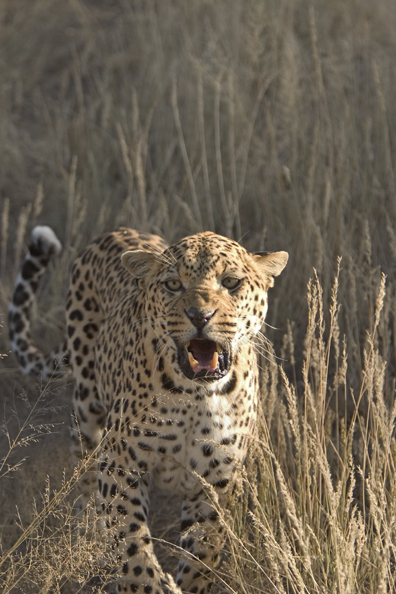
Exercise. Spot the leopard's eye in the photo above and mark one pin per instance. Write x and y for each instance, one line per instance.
(231, 282)
(173, 284)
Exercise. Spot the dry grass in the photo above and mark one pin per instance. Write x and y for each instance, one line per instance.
(270, 122)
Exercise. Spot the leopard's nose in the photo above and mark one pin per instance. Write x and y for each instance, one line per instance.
(199, 317)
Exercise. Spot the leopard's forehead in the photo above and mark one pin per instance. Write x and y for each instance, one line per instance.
(205, 251)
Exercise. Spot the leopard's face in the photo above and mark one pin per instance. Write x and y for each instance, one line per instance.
(205, 298)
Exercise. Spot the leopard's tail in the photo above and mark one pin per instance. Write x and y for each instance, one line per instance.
(43, 246)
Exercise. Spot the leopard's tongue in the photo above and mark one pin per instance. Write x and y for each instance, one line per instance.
(202, 355)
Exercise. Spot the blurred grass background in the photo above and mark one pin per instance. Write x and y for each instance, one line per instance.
(268, 121)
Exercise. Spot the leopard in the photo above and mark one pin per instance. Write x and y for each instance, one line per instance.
(162, 343)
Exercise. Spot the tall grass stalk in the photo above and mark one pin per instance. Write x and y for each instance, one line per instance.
(270, 122)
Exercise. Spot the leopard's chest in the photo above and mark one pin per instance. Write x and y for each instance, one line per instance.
(178, 440)
(190, 430)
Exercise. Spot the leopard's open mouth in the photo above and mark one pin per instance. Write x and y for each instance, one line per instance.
(207, 359)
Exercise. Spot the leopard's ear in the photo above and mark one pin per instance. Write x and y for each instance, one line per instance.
(271, 263)
(139, 262)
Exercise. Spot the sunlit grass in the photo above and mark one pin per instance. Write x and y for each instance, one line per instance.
(270, 122)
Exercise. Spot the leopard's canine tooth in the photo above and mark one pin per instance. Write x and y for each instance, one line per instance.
(215, 360)
(193, 362)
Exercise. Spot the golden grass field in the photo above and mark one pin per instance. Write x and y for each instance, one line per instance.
(269, 121)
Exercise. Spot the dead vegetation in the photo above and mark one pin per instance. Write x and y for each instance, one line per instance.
(270, 122)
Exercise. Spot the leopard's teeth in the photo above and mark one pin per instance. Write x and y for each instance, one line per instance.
(193, 362)
(214, 361)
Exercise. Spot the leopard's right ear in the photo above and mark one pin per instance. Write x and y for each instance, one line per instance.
(139, 262)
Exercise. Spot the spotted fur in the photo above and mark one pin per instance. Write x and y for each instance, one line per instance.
(161, 344)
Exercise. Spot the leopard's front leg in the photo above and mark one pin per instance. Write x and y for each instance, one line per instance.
(126, 498)
(203, 536)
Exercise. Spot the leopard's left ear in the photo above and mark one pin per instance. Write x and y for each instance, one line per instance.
(271, 263)
(138, 262)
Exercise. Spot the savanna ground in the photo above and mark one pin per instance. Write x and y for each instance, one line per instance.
(268, 121)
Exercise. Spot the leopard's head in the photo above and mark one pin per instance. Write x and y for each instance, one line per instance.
(204, 298)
